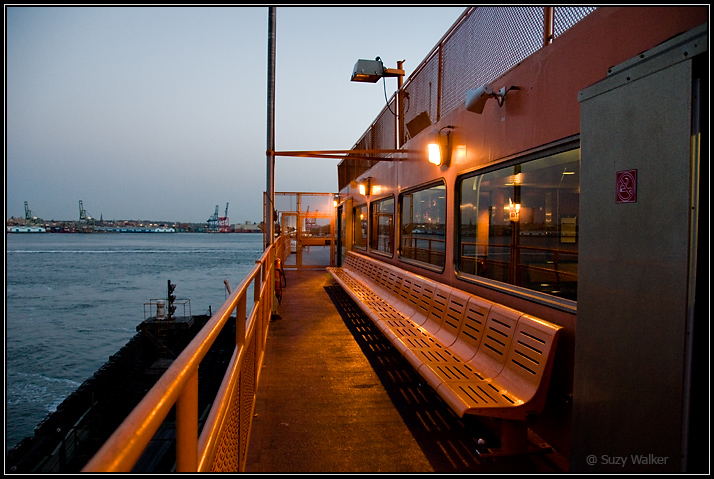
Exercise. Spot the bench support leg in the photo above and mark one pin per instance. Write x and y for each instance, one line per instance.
(514, 441)
(514, 435)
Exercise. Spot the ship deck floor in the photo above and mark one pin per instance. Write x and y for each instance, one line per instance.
(335, 396)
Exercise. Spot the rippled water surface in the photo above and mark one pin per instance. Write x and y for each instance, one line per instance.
(73, 300)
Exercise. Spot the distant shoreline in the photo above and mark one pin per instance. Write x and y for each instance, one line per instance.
(18, 225)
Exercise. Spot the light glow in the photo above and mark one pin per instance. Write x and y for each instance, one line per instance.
(434, 154)
(514, 210)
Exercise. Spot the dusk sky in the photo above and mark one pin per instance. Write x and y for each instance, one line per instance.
(159, 113)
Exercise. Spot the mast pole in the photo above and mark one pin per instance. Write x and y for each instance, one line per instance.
(268, 220)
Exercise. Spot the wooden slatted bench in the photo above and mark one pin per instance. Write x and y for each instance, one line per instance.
(481, 357)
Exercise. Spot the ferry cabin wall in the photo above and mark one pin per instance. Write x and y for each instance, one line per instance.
(543, 113)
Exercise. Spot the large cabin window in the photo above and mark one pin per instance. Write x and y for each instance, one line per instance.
(359, 225)
(422, 225)
(382, 226)
(519, 224)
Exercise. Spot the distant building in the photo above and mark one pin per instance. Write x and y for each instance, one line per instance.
(26, 229)
(247, 227)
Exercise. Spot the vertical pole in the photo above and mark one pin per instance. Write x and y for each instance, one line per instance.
(400, 107)
(270, 160)
(547, 25)
(438, 84)
(298, 234)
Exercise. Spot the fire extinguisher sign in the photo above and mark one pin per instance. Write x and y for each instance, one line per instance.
(626, 186)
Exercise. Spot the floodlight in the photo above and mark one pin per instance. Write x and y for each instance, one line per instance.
(368, 71)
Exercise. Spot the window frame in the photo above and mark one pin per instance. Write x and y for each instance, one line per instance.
(373, 227)
(440, 182)
(354, 227)
(550, 300)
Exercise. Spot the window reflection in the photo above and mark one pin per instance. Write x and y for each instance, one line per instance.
(382, 228)
(422, 225)
(519, 225)
(360, 227)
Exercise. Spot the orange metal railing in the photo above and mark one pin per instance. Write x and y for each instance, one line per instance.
(222, 445)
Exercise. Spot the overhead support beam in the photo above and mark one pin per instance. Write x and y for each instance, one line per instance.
(341, 154)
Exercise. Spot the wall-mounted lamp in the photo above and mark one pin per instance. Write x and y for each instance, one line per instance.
(364, 187)
(439, 146)
(370, 71)
(476, 99)
(514, 210)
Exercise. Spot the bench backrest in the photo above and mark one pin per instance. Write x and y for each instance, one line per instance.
(496, 339)
(454, 317)
(421, 293)
(407, 306)
(428, 291)
(527, 368)
(383, 278)
(392, 281)
(373, 271)
(350, 261)
(472, 327)
(437, 309)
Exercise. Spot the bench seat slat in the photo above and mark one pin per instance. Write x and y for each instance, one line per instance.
(478, 397)
(450, 371)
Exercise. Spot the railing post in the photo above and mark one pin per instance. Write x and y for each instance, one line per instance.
(258, 283)
(187, 427)
(240, 321)
(272, 300)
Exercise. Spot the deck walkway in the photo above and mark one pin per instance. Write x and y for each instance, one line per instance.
(335, 396)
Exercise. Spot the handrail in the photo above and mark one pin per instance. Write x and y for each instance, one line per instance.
(179, 384)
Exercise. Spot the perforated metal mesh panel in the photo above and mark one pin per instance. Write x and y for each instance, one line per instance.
(421, 97)
(488, 43)
(483, 46)
(247, 398)
(566, 17)
(384, 129)
(233, 442)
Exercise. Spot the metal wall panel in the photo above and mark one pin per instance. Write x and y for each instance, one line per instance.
(634, 267)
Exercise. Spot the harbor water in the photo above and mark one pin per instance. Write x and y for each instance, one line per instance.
(73, 300)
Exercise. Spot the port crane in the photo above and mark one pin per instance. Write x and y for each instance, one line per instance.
(83, 216)
(213, 221)
(28, 214)
(224, 223)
